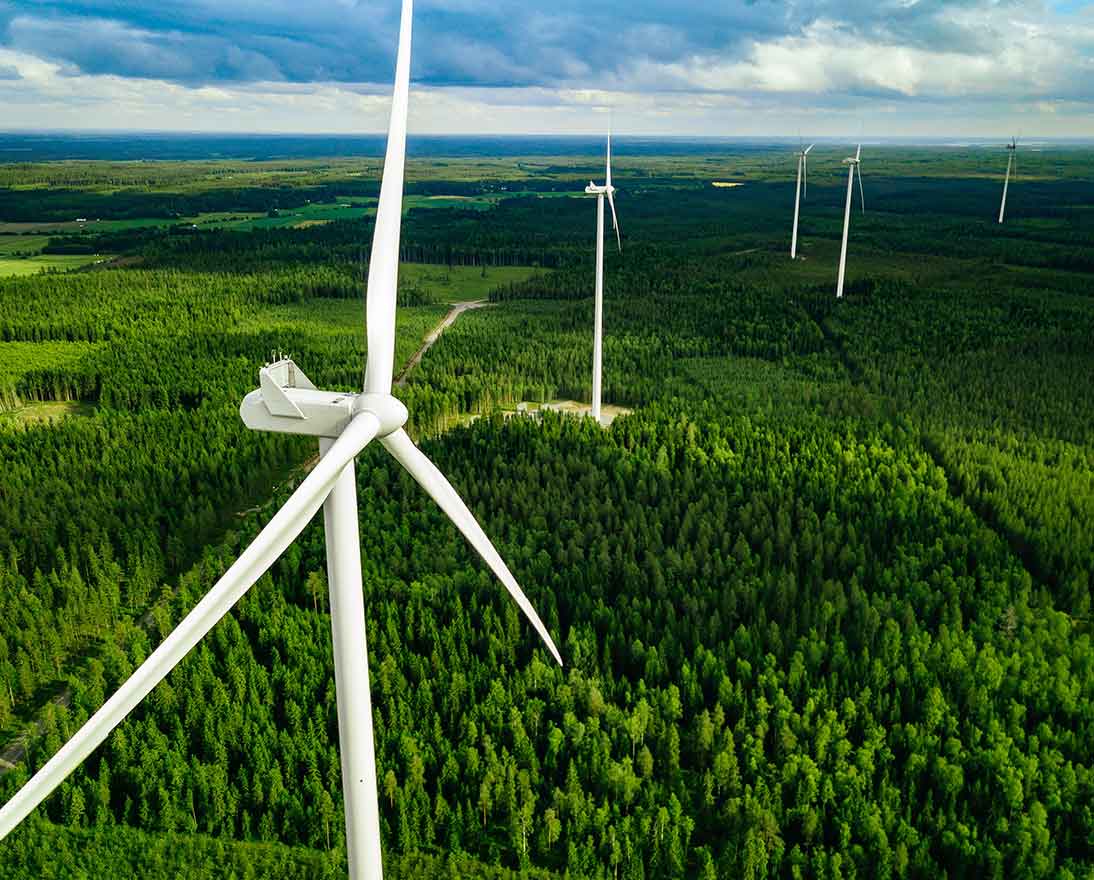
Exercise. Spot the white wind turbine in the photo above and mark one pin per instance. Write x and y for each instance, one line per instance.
(803, 178)
(1012, 149)
(853, 165)
(345, 424)
(607, 190)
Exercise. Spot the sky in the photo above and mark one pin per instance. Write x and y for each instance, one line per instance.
(826, 68)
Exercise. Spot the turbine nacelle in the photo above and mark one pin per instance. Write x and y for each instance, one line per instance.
(593, 190)
(287, 402)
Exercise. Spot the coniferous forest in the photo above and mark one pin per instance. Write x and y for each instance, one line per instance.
(823, 589)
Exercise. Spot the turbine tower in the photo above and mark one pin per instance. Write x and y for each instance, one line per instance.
(803, 177)
(1012, 150)
(853, 164)
(598, 309)
(287, 402)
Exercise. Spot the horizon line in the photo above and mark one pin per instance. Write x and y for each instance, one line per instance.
(654, 136)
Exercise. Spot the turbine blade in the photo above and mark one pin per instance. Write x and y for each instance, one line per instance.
(858, 153)
(271, 542)
(615, 221)
(608, 171)
(807, 149)
(861, 194)
(383, 267)
(440, 490)
(805, 175)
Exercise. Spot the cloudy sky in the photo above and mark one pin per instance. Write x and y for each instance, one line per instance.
(715, 67)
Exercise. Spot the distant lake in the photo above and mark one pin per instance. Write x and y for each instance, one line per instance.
(135, 146)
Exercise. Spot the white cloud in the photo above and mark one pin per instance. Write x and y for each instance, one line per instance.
(1024, 61)
(1017, 72)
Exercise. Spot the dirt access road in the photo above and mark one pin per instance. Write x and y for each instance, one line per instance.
(449, 319)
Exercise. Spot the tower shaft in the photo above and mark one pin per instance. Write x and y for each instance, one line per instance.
(598, 310)
(355, 734)
(846, 227)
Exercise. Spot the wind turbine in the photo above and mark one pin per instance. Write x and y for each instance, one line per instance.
(853, 164)
(1012, 150)
(287, 402)
(803, 177)
(598, 309)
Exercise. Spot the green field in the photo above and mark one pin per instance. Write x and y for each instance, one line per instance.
(49, 411)
(459, 283)
(70, 227)
(22, 245)
(47, 263)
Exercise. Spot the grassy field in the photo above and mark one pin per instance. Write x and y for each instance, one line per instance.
(16, 266)
(22, 245)
(75, 227)
(297, 218)
(48, 411)
(460, 283)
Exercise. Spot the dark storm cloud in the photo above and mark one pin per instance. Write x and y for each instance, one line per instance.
(922, 24)
(98, 46)
(502, 43)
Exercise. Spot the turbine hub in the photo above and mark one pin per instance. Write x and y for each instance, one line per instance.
(389, 410)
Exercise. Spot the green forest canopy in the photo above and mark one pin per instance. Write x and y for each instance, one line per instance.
(824, 598)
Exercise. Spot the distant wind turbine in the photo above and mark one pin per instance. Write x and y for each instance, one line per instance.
(598, 309)
(287, 402)
(853, 164)
(803, 178)
(1012, 150)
